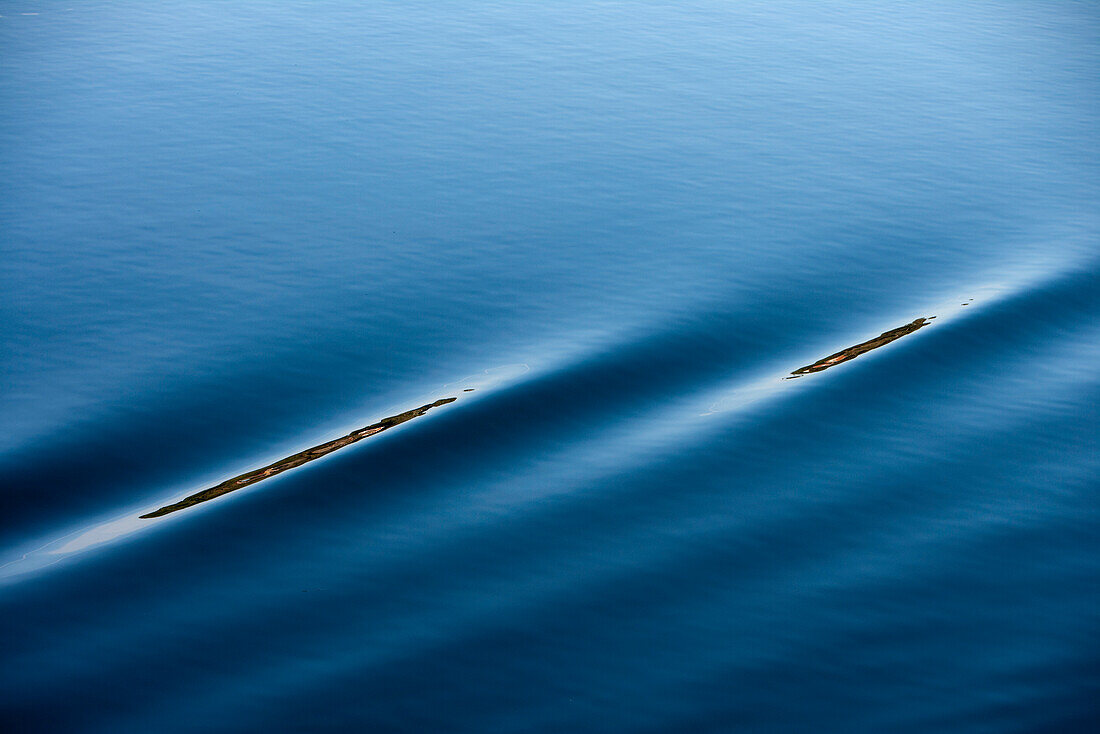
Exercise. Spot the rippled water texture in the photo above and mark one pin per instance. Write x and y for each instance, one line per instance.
(549, 367)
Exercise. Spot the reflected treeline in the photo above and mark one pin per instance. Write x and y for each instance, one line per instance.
(296, 460)
(852, 352)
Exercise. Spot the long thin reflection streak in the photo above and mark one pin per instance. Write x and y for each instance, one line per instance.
(295, 460)
(862, 348)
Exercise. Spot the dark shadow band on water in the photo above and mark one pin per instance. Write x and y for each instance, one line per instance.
(862, 348)
(295, 460)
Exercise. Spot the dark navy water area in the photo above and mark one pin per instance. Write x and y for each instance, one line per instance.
(549, 367)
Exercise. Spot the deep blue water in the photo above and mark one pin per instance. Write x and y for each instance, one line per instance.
(233, 231)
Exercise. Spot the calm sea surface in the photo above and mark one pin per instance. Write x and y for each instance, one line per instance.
(231, 233)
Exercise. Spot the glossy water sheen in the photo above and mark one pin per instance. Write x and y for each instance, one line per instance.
(235, 231)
